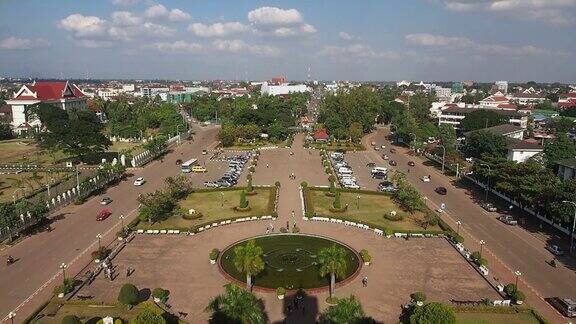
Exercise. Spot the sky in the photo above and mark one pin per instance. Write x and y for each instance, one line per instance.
(367, 40)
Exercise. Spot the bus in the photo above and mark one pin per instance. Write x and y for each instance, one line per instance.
(187, 166)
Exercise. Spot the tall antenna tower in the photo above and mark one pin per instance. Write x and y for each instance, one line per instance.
(309, 75)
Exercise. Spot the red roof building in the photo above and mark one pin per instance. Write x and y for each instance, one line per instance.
(278, 80)
(320, 135)
(60, 94)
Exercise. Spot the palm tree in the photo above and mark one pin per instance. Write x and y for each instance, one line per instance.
(347, 310)
(332, 261)
(236, 305)
(248, 260)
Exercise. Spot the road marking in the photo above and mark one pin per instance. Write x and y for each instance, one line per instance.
(58, 273)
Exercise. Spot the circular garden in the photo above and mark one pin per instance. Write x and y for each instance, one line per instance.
(290, 261)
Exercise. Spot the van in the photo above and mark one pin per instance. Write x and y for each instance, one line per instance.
(379, 170)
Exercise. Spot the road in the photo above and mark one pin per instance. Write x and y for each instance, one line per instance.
(510, 248)
(30, 281)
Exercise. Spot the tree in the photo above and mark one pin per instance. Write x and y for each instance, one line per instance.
(178, 187)
(248, 260)
(77, 132)
(5, 131)
(227, 134)
(337, 204)
(236, 305)
(481, 142)
(332, 262)
(447, 135)
(148, 316)
(156, 145)
(156, 206)
(482, 118)
(433, 313)
(128, 295)
(71, 319)
(347, 310)
(561, 148)
(407, 196)
(243, 200)
(356, 132)
(249, 187)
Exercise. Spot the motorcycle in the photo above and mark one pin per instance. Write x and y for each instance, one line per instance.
(10, 260)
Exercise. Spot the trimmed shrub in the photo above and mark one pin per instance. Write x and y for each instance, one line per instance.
(418, 296)
(243, 200)
(394, 218)
(101, 253)
(280, 291)
(161, 294)
(433, 313)
(71, 319)
(366, 257)
(295, 229)
(304, 184)
(277, 184)
(128, 295)
(66, 287)
(337, 204)
(214, 254)
(518, 296)
(283, 230)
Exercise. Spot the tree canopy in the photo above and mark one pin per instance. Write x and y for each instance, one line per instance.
(481, 142)
(235, 306)
(433, 313)
(482, 118)
(347, 310)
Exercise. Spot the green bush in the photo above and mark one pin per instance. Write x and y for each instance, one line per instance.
(366, 257)
(509, 289)
(337, 204)
(128, 295)
(283, 230)
(295, 229)
(388, 231)
(148, 316)
(518, 295)
(433, 313)
(66, 287)
(280, 291)
(394, 218)
(71, 319)
(161, 294)
(214, 254)
(418, 296)
(277, 184)
(101, 253)
(243, 200)
(476, 256)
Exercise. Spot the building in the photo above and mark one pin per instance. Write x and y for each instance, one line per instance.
(457, 87)
(278, 80)
(502, 86)
(529, 96)
(403, 83)
(506, 130)
(494, 100)
(320, 135)
(567, 100)
(521, 150)
(284, 89)
(60, 94)
(454, 115)
(566, 169)
(443, 93)
(154, 91)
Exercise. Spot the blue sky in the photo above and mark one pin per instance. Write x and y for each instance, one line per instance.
(483, 40)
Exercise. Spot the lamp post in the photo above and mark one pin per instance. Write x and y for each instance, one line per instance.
(481, 246)
(358, 202)
(78, 180)
(443, 156)
(487, 181)
(573, 224)
(222, 199)
(414, 140)
(518, 274)
(11, 317)
(14, 194)
(99, 237)
(122, 221)
(63, 267)
(458, 229)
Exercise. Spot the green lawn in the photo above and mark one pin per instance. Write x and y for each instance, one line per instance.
(495, 318)
(133, 147)
(215, 209)
(87, 311)
(29, 180)
(26, 151)
(371, 211)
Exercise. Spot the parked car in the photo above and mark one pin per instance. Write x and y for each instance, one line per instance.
(223, 183)
(379, 175)
(411, 163)
(104, 213)
(441, 190)
(555, 249)
(178, 162)
(376, 148)
(489, 207)
(383, 146)
(352, 186)
(384, 156)
(392, 163)
(210, 184)
(508, 220)
(105, 201)
(370, 164)
(139, 181)
(425, 178)
(387, 186)
(566, 306)
(204, 152)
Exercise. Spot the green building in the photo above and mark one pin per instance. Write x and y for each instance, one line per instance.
(183, 97)
(457, 87)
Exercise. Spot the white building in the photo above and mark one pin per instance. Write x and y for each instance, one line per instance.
(520, 151)
(403, 83)
(454, 116)
(443, 93)
(494, 100)
(283, 89)
(502, 86)
(128, 87)
(60, 94)
(153, 91)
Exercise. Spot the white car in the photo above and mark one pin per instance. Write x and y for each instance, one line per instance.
(352, 186)
(425, 178)
(383, 146)
(139, 181)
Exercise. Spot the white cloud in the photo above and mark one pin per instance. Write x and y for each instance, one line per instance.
(15, 43)
(236, 46)
(274, 16)
(160, 11)
(177, 47)
(294, 31)
(357, 51)
(463, 43)
(552, 12)
(125, 18)
(345, 36)
(83, 26)
(217, 29)
(124, 2)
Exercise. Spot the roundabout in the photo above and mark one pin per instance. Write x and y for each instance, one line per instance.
(290, 261)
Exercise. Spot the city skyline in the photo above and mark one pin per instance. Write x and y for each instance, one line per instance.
(512, 40)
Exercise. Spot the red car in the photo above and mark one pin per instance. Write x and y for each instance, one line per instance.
(105, 213)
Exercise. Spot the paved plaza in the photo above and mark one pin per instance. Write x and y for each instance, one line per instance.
(180, 263)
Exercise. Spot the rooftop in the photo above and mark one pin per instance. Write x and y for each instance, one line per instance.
(504, 130)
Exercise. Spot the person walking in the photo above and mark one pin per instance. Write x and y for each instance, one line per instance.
(365, 281)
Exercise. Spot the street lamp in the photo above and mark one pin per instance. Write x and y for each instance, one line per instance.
(573, 224)
(222, 199)
(481, 246)
(414, 140)
(78, 180)
(443, 156)
(358, 202)
(122, 220)
(14, 193)
(11, 316)
(518, 274)
(63, 266)
(458, 230)
(99, 237)
(487, 180)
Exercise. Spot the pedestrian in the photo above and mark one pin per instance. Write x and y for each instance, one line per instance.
(267, 230)
(287, 225)
(365, 281)
(128, 272)
(267, 166)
